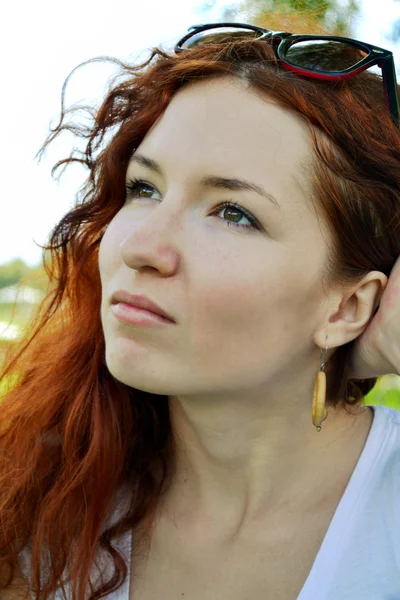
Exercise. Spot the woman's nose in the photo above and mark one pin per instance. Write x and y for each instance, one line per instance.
(151, 242)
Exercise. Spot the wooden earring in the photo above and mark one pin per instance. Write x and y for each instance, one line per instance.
(319, 412)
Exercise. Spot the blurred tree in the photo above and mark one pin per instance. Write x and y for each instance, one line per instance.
(17, 271)
(298, 16)
(12, 272)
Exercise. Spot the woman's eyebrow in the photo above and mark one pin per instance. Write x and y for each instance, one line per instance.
(227, 183)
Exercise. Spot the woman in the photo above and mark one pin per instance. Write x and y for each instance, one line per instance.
(160, 455)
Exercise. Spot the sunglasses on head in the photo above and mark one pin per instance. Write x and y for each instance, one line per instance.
(308, 55)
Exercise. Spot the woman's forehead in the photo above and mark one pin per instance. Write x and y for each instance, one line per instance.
(225, 110)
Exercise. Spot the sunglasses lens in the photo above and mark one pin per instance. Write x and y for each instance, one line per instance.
(219, 35)
(324, 55)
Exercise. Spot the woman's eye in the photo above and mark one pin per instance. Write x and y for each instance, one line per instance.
(134, 187)
(231, 207)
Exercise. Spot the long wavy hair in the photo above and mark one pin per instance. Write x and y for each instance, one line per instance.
(71, 435)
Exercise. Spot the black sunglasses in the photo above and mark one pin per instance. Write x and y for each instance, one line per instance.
(304, 54)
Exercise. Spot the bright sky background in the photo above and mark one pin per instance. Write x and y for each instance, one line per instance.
(41, 43)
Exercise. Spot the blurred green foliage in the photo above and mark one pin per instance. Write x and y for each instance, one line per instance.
(386, 391)
(316, 16)
(12, 272)
(300, 16)
(17, 270)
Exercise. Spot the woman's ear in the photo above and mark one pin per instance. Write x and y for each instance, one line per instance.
(348, 317)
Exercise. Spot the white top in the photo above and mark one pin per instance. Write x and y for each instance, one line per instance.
(359, 557)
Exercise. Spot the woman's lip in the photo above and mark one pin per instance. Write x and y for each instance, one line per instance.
(138, 316)
(140, 301)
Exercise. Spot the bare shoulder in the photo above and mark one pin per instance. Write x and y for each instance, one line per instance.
(19, 589)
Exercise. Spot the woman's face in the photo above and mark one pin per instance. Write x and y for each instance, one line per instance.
(247, 300)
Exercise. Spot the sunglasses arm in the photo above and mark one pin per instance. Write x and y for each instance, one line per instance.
(391, 89)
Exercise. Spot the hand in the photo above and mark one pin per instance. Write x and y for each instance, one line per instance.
(377, 351)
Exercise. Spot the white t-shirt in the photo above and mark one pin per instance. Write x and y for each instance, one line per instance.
(359, 558)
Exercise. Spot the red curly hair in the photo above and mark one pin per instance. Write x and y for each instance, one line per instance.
(71, 435)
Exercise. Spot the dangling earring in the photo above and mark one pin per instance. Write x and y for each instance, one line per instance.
(319, 412)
